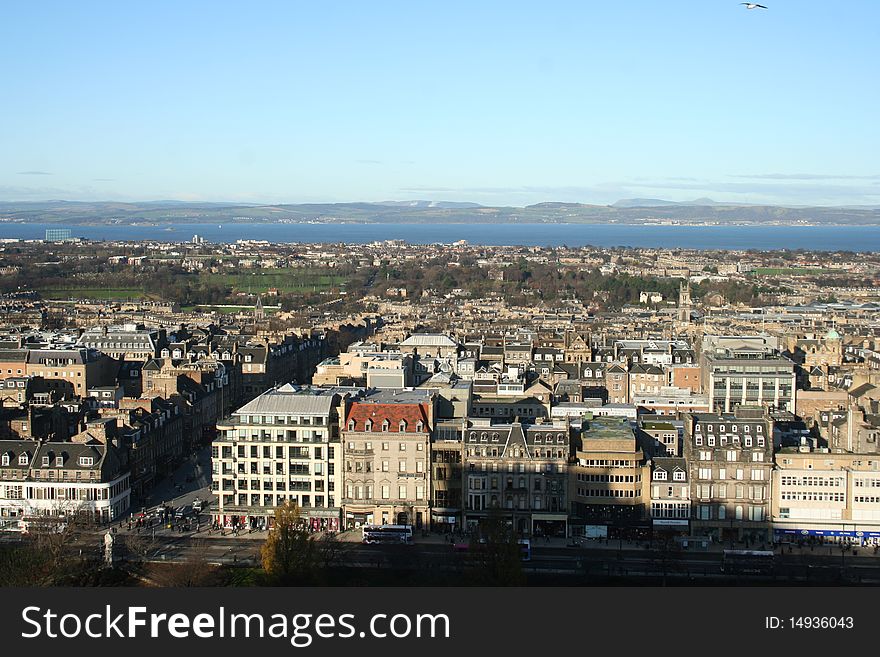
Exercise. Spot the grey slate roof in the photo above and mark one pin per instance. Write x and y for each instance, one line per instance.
(288, 399)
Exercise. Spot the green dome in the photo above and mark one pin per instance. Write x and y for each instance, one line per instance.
(832, 335)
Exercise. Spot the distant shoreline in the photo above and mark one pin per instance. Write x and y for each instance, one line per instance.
(609, 235)
(355, 222)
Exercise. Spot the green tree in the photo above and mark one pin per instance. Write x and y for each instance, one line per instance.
(289, 555)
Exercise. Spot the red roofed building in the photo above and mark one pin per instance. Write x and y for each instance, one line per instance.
(390, 418)
(386, 460)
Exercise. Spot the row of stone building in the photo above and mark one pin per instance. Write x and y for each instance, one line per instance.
(354, 456)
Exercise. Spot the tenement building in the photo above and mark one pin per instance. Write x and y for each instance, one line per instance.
(730, 462)
(519, 468)
(670, 496)
(87, 477)
(386, 440)
(282, 446)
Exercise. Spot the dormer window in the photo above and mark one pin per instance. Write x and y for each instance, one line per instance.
(368, 425)
(45, 461)
(678, 475)
(402, 426)
(386, 425)
(419, 425)
(248, 358)
(86, 460)
(4, 460)
(660, 475)
(351, 425)
(59, 461)
(23, 459)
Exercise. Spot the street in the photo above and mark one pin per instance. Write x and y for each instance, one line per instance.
(176, 491)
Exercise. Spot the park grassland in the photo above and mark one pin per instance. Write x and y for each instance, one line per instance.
(284, 280)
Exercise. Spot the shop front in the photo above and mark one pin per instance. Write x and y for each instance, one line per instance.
(850, 534)
(670, 527)
(444, 520)
(550, 525)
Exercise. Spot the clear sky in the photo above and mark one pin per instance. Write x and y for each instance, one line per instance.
(493, 102)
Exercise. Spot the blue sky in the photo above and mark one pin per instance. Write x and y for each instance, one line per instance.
(494, 102)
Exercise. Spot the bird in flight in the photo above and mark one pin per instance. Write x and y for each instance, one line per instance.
(752, 5)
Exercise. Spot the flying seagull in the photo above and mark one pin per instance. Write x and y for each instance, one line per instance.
(752, 5)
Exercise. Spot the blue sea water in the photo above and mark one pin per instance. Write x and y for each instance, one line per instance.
(825, 238)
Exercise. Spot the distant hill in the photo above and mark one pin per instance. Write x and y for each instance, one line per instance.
(429, 204)
(642, 203)
(627, 211)
(657, 203)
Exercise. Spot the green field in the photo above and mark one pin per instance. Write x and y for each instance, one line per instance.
(792, 271)
(284, 280)
(60, 294)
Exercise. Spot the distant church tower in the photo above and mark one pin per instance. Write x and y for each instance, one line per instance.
(684, 302)
(259, 313)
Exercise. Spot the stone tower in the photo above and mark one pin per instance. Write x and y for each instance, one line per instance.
(684, 302)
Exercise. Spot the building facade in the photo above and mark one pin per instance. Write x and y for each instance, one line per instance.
(386, 440)
(730, 463)
(519, 468)
(282, 446)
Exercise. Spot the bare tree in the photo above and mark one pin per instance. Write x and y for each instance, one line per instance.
(194, 570)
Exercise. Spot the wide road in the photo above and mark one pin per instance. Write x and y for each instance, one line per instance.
(557, 561)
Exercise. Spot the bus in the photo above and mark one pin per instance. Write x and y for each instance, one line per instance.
(525, 549)
(747, 562)
(42, 525)
(387, 534)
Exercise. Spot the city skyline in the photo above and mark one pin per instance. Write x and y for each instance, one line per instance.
(497, 104)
